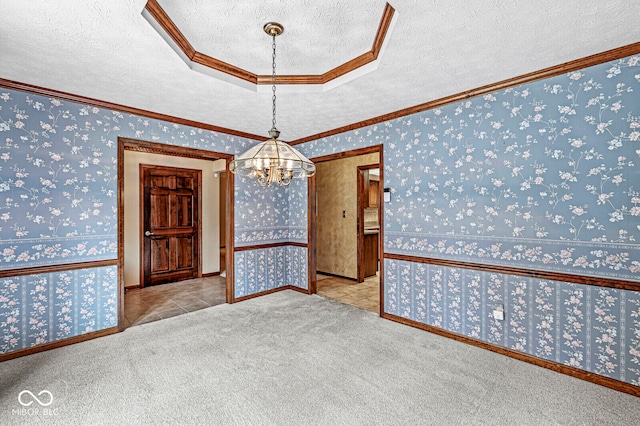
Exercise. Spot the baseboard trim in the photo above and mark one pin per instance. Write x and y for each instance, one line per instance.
(211, 274)
(133, 287)
(550, 365)
(58, 343)
(337, 276)
(273, 290)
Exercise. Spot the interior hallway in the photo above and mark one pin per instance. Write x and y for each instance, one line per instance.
(364, 295)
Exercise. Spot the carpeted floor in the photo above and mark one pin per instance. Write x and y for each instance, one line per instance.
(293, 359)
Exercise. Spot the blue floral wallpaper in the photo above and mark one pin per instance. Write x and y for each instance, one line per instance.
(58, 205)
(269, 268)
(38, 309)
(592, 328)
(265, 215)
(544, 175)
(58, 175)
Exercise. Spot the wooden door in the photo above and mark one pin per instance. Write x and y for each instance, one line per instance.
(170, 216)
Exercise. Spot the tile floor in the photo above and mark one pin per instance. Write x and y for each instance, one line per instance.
(168, 300)
(364, 295)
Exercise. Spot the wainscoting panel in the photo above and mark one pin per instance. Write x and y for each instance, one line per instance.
(591, 328)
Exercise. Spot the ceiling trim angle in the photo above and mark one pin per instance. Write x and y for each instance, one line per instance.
(197, 61)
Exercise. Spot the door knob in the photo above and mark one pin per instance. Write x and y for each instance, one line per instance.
(148, 234)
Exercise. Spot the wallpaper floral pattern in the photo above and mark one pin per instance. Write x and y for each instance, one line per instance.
(269, 268)
(42, 308)
(58, 205)
(572, 324)
(58, 175)
(265, 215)
(542, 175)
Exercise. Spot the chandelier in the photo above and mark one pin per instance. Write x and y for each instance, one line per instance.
(273, 161)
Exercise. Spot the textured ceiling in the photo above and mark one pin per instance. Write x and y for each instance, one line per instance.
(105, 49)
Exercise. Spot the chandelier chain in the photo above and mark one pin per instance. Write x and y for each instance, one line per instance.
(273, 81)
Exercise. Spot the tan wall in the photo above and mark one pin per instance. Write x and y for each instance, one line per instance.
(337, 238)
(210, 211)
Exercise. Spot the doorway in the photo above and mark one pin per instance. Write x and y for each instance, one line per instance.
(337, 228)
(194, 260)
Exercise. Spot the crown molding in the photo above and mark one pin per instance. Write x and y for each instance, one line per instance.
(356, 67)
(42, 91)
(598, 58)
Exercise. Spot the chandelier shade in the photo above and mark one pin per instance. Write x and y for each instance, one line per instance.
(273, 161)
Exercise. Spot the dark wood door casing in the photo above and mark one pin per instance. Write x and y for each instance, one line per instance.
(366, 251)
(170, 212)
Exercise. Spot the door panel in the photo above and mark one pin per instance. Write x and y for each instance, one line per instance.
(159, 255)
(170, 209)
(184, 246)
(160, 206)
(184, 210)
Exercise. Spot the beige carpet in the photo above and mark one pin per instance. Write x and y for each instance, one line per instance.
(293, 359)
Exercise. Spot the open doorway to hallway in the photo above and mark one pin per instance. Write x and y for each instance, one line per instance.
(169, 237)
(347, 223)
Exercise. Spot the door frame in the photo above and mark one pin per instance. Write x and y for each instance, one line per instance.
(178, 151)
(313, 214)
(360, 218)
(142, 228)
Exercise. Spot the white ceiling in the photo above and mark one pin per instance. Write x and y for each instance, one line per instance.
(105, 49)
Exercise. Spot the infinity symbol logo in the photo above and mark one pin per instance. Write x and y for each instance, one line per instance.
(26, 404)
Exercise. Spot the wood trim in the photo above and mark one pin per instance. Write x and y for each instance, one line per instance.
(550, 365)
(41, 91)
(273, 290)
(211, 274)
(383, 29)
(218, 65)
(312, 221)
(120, 176)
(599, 58)
(361, 197)
(346, 154)
(58, 343)
(291, 79)
(229, 255)
(270, 245)
(172, 150)
(530, 273)
(349, 66)
(132, 287)
(56, 268)
(161, 17)
(141, 226)
(381, 231)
